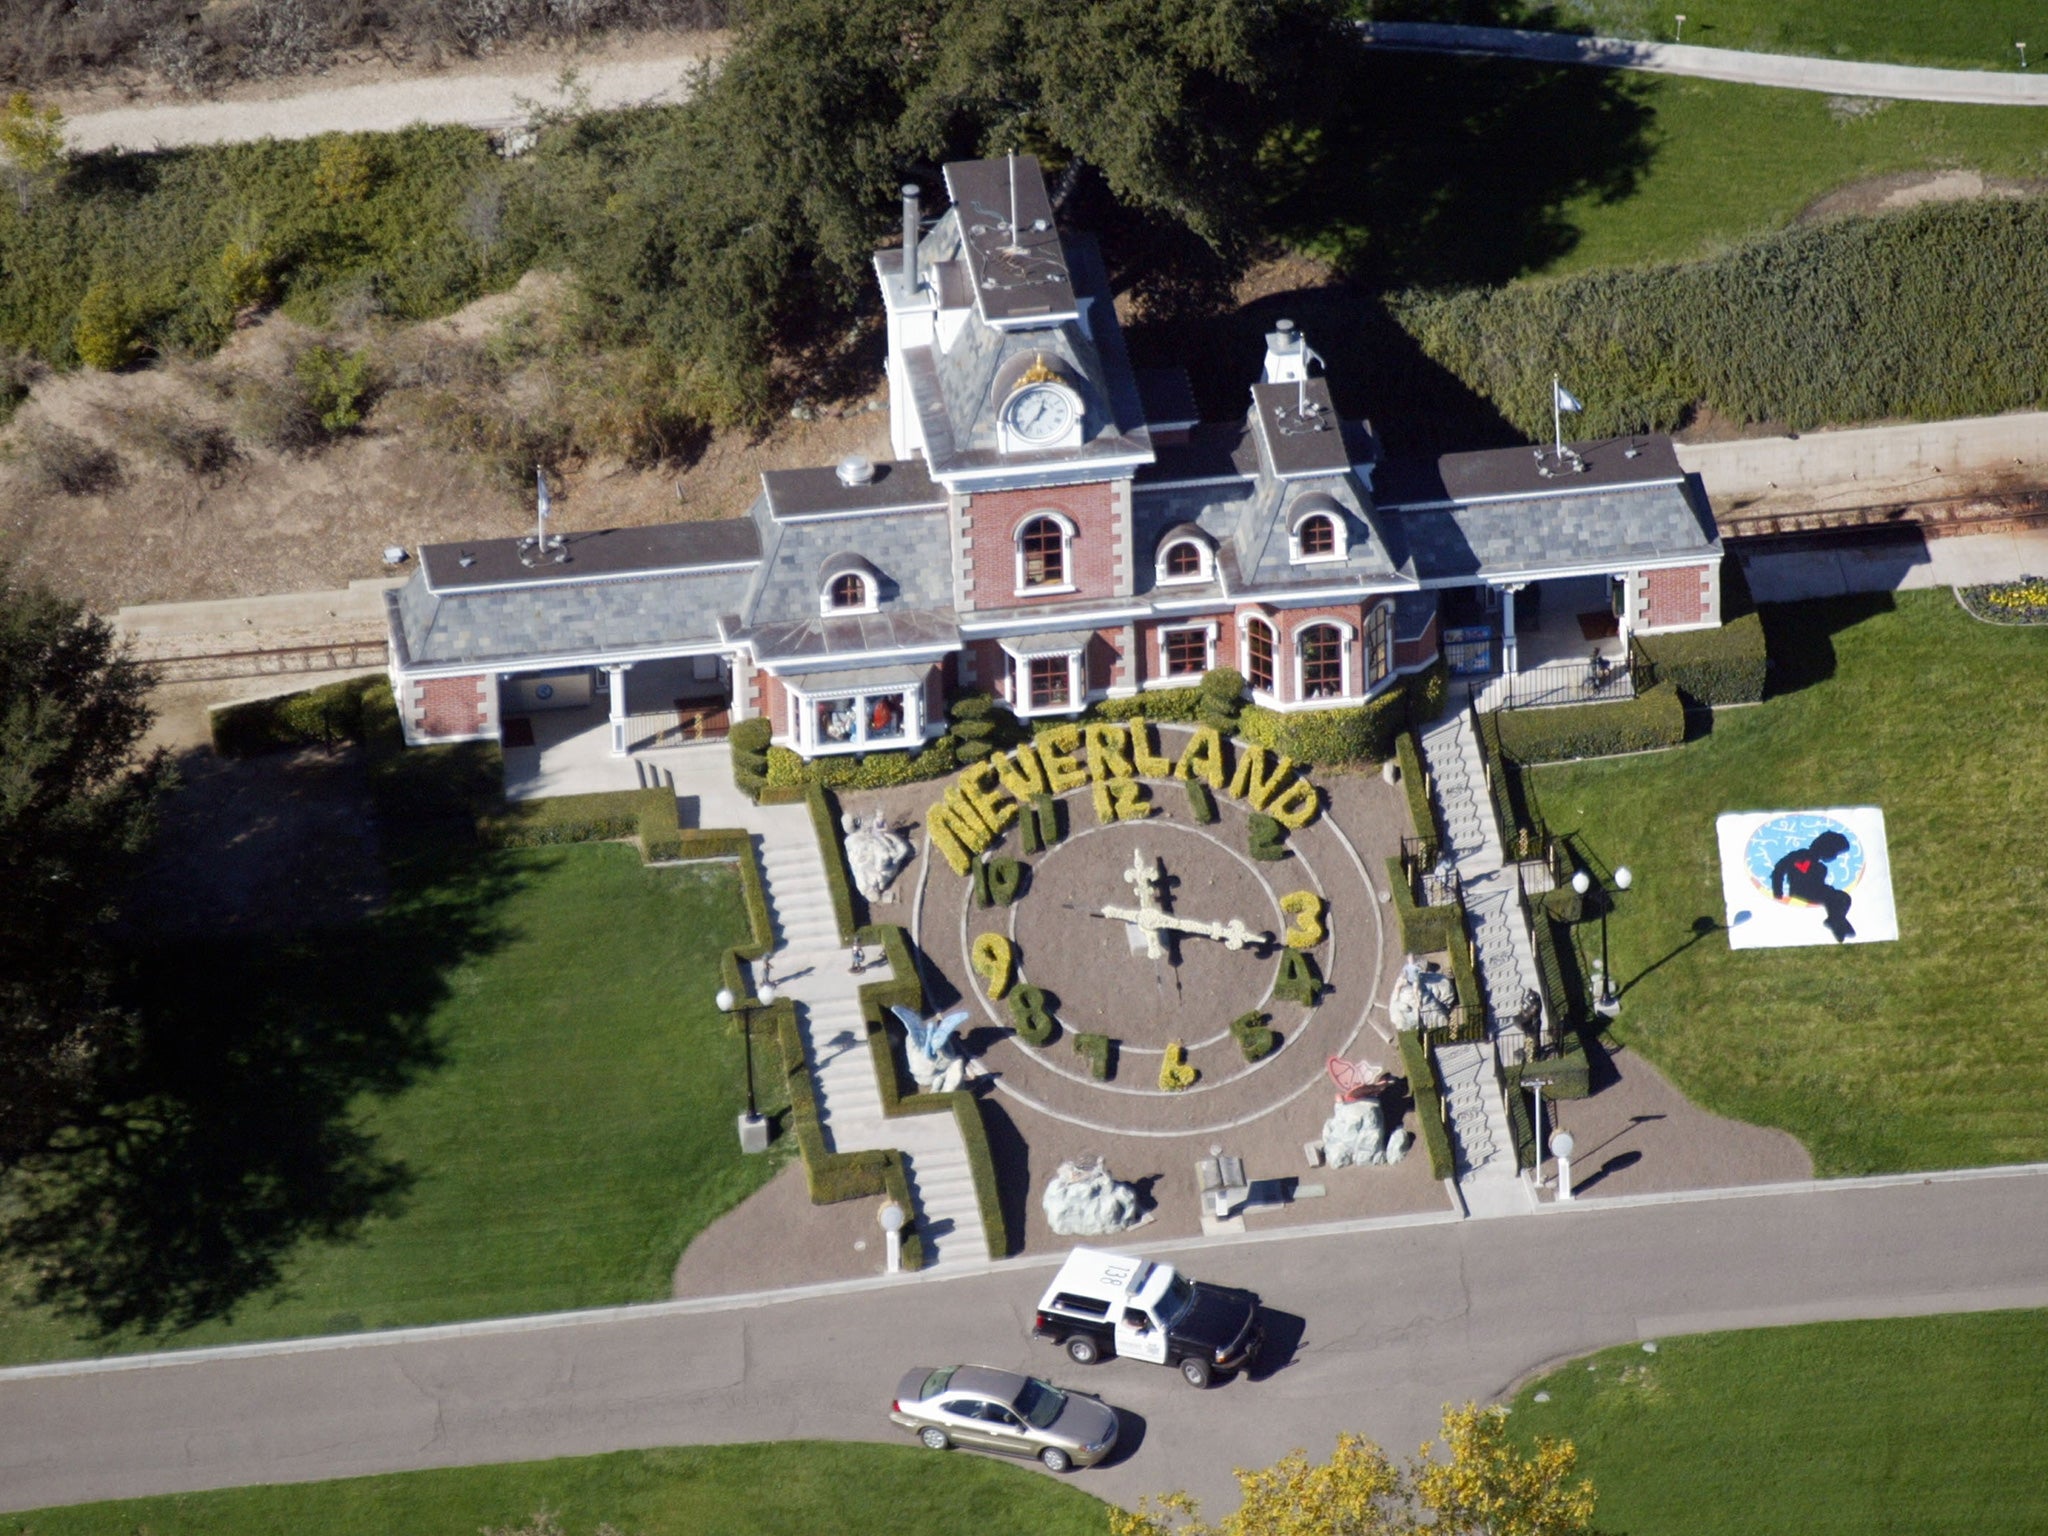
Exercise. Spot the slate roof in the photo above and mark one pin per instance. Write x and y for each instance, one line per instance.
(911, 551)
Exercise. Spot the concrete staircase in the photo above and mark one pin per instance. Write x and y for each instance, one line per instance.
(809, 966)
(1477, 1113)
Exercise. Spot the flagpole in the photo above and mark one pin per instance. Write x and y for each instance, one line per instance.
(1557, 413)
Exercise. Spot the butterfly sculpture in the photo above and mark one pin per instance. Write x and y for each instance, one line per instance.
(930, 1037)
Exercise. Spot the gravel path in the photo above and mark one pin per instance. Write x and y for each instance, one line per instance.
(477, 100)
(1797, 72)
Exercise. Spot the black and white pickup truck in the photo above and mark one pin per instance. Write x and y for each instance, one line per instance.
(1108, 1303)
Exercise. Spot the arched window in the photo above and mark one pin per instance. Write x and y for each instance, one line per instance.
(1042, 553)
(1317, 537)
(1183, 560)
(849, 591)
(1258, 655)
(1379, 642)
(1319, 651)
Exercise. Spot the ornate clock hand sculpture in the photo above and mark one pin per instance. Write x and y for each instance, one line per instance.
(1152, 921)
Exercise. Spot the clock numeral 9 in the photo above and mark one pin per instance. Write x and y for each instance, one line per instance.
(995, 962)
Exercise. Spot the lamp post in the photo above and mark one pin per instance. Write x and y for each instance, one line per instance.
(892, 1217)
(753, 1129)
(1536, 1085)
(1562, 1146)
(1679, 36)
(1606, 1000)
(2023, 54)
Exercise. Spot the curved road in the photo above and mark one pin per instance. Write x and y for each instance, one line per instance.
(499, 101)
(1790, 71)
(1400, 1317)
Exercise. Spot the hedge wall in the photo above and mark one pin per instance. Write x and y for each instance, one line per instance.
(1330, 738)
(1423, 929)
(351, 711)
(1713, 666)
(1415, 784)
(1651, 720)
(1428, 1093)
(825, 822)
(1926, 314)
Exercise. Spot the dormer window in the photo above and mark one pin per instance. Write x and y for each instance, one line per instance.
(1042, 555)
(848, 584)
(1316, 530)
(1184, 558)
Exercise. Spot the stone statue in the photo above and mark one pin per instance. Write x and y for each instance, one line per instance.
(934, 1059)
(1082, 1200)
(1353, 1134)
(1421, 999)
(876, 853)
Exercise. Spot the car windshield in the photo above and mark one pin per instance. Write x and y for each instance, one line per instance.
(1040, 1403)
(1175, 1300)
(935, 1383)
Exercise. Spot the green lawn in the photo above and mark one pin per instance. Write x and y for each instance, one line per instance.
(740, 1490)
(1962, 34)
(1924, 1053)
(509, 1093)
(1930, 1425)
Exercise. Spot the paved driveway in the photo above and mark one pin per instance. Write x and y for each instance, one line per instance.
(1396, 1321)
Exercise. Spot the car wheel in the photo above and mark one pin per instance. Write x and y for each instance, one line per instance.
(934, 1438)
(1055, 1459)
(1195, 1371)
(1083, 1350)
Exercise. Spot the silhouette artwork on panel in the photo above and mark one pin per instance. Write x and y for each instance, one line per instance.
(1803, 875)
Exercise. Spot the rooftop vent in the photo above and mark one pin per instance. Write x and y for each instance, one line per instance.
(856, 470)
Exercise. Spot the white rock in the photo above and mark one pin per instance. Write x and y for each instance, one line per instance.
(1082, 1200)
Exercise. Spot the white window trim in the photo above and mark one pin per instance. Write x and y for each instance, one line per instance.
(1346, 652)
(1067, 532)
(1343, 538)
(1244, 656)
(1204, 573)
(1019, 681)
(804, 735)
(867, 604)
(1208, 633)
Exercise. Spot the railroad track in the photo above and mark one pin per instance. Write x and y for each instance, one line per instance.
(1997, 512)
(266, 661)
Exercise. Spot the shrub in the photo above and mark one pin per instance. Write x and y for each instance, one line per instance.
(1254, 1036)
(1176, 1072)
(1202, 802)
(337, 386)
(1427, 692)
(1654, 719)
(1220, 699)
(169, 436)
(1178, 706)
(748, 741)
(1563, 905)
(1423, 929)
(1427, 1092)
(1300, 980)
(973, 706)
(107, 332)
(825, 824)
(1415, 785)
(1267, 838)
(1031, 1012)
(1329, 738)
(62, 463)
(1099, 1051)
(346, 711)
(1713, 666)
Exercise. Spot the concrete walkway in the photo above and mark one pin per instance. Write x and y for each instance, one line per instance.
(1893, 565)
(1788, 71)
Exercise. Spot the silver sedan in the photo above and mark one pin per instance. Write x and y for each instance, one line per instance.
(1016, 1415)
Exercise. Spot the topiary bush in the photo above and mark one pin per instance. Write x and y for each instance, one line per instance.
(1713, 666)
(1220, 699)
(1329, 738)
(1642, 724)
(1100, 1053)
(1254, 1036)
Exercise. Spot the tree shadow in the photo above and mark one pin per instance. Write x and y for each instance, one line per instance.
(1393, 171)
(235, 1132)
(1799, 637)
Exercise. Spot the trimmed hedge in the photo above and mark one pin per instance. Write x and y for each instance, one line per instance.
(1427, 1091)
(1098, 1051)
(1499, 781)
(1168, 706)
(1642, 724)
(1254, 1036)
(748, 741)
(1423, 929)
(1330, 738)
(1713, 666)
(825, 822)
(1415, 785)
(350, 711)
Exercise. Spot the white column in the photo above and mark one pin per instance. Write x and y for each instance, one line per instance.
(1507, 630)
(618, 677)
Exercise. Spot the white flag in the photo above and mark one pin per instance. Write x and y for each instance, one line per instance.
(1564, 400)
(540, 476)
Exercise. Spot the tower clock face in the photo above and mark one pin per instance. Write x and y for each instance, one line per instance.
(1041, 413)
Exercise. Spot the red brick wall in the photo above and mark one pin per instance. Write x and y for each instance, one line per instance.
(775, 704)
(935, 693)
(1680, 596)
(1413, 653)
(1290, 620)
(992, 518)
(989, 666)
(453, 706)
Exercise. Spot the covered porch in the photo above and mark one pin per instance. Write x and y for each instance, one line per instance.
(668, 701)
(1539, 643)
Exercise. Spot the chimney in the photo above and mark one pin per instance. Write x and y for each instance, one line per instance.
(911, 223)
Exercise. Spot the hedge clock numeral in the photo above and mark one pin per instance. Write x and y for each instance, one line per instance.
(995, 961)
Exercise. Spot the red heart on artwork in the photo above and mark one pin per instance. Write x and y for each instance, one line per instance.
(1803, 865)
